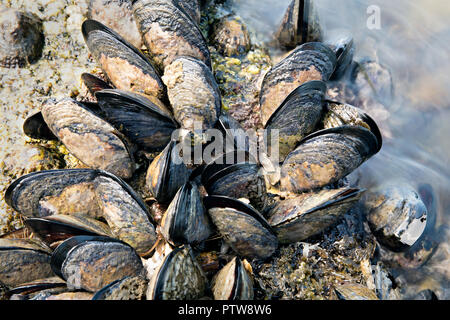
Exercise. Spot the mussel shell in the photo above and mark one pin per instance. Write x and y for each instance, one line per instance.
(340, 114)
(35, 127)
(94, 83)
(143, 122)
(88, 137)
(191, 7)
(233, 282)
(297, 116)
(128, 288)
(178, 278)
(117, 15)
(21, 38)
(326, 156)
(193, 93)
(92, 262)
(166, 174)
(310, 61)
(341, 42)
(169, 32)
(75, 295)
(124, 65)
(60, 227)
(230, 36)
(354, 291)
(234, 136)
(23, 261)
(186, 221)
(242, 227)
(308, 214)
(54, 284)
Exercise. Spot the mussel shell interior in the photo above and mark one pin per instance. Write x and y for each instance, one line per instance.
(35, 127)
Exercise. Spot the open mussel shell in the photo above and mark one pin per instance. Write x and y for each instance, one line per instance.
(35, 127)
(236, 179)
(300, 24)
(193, 93)
(186, 221)
(166, 174)
(327, 156)
(396, 215)
(21, 38)
(94, 83)
(308, 214)
(124, 65)
(233, 282)
(92, 262)
(117, 15)
(340, 114)
(88, 137)
(308, 62)
(169, 32)
(179, 277)
(296, 117)
(145, 123)
(341, 42)
(128, 288)
(242, 227)
(23, 260)
(55, 228)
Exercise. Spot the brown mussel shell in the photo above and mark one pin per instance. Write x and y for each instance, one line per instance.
(310, 61)
(92, 262)
(326, 156)
(169, 32)
(128, 288)
(124, 65)
(242, 227)
(233, 282)
(179, 277)
(94, 83)
(231, 37)
(193, 93)
(308, 214)
(297, 116)
(354, 291)
(21, 38)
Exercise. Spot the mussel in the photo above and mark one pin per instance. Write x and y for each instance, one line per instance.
(310, 61)
(21, 38)
(354, 291)
(242, 227)
(124, 65)
(233, 282)
(92, 262)
(308, 214)
(94, 83)
(230, 36)
(128, 288)
(179, 277)
(37, 288)
(169, 32)
(326, 156)
(341, 42)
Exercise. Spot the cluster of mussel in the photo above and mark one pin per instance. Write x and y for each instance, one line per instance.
(98, 236)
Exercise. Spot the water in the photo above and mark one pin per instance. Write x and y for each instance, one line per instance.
(413, 41)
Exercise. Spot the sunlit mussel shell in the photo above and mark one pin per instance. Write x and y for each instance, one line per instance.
(36, 288)
(92, 262)
(242, 227)
(354, 291)
(167, 173)
(124, 65)
(327, 156)
(296, 117)
(340, 114)
(35, 127)
(88, 137)
(117, 15)
(55, 228)
(341, 42)
(21, 38)
(191, 7)
(23, 260)
(179, 277)
(125, 212)
(396, 215)
(300, 24)
(186, 220)
(128, 288)
(193, 93)
(147, 124)
(233, 282)
(308, 214)
(230, 36)
(310, 61)
(53, 192)
(94, 83)
(169, 32)
(236, 175)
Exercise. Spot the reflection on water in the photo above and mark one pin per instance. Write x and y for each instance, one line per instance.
(414, 43)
